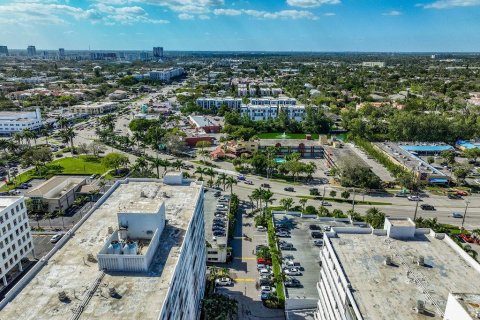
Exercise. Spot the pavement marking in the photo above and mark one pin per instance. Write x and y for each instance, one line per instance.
(245, 280)
(245, 258)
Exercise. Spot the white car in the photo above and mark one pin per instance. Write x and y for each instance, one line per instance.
(292, 272)
(267, 289)
(56, 237)
(264, 272)
(261, 266)
(283, 234)
(261, 228)
(225, 281)
(414, 198)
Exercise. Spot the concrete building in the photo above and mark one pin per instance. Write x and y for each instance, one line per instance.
(97, 271)
(3, 51)
(266, 112)
(462, 306)
(280, 101)
(306, 148)
(208, 124)
(158, 52)
(56, 194)
(399, 272)
(95, 108)
(16, 121)
(61, 53)
(215, 103)
(373, 64)
(15, 237)
(31, 51)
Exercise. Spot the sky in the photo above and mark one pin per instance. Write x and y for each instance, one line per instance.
(243, 25)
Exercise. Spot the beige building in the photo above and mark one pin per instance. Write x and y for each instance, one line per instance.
(58, 193)
(95, 108)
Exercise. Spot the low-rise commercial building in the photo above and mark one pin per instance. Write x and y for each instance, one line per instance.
(306, 148)
(56, 194)
(400, 272)
(138, 254)
(16, 121)
(208, 124)
(15, 237)
(161, 75)
(95, 108)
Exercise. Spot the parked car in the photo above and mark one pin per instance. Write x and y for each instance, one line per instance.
(260, 266)
(241, 178)
(453, 196)
(56, 238)
(219, 234)
(264, 296)
(265, 185)
(248, 182)
(289, 189)
(292, 272)
(401, 195)
(267, 289)
(427, 207)
(225, 281)
(414, 198)
(283, 234)
(316, 235)
(264, 272)
(266, 262)
(314, 227)
(261, 228)
(326, 204)
(293, 283)
(286, 246)
(457, 215)
(318, 243)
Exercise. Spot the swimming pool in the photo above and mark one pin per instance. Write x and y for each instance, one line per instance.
(279, 160)
(468, 144)
(426, 148)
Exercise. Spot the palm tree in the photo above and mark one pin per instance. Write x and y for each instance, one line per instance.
(222, 177)
(287, 204)
(267, 197)
(68, 135)
(178, 164)
(156, 164)
(45, 132)
(201, 171)
(211, 173)
(141, 164)
(257, 195)
(303, 202)
(165, 164)
(230, 182)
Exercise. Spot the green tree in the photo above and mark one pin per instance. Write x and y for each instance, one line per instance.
(375, 218)
(286, 203)
(303, 202)
(333, 193)
(115, 161)
(219, 307)
(345, 194)
(68, 134)
(230, 182)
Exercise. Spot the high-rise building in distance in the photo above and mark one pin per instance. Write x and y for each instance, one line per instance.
(3, 51)
(158, 52)
(31, 51)
(61, 53)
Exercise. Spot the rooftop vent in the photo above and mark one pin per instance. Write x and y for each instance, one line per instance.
(420, 308)
(388, 261)
(62, 296)
(112, 292)
(421, 261)
(91, 258)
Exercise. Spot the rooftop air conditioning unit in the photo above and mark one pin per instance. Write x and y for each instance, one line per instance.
(388, 261)
(420, 308)
(421, 261)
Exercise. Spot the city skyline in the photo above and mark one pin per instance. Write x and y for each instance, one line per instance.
(222, 25)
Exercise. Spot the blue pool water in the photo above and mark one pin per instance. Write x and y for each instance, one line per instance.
(279, 160)
(467, 144)
(426, 148)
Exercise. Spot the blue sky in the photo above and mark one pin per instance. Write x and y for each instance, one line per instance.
(273, 25)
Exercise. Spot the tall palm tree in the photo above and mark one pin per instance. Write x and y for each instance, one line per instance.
(267, 197)
(222, 177)
(211, 173)
(45, 132)
(201, 171)
(286, 203)
(230, 182)
(68, 134)
(18, 137)
(303, 202)
(257, 195)
(142, 164)
(157, 163)
(165, 164)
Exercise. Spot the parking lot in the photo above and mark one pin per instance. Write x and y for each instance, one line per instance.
(305, 252)
(42, 244)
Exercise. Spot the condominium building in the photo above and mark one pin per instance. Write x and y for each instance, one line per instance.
(158, 52)
(16, 121)
(281, 101)
(399, 272)
(61, 53)
(215, 103)
(166, 75)
(138, 254)
(31, 51)
(3, 51)
(266, 112)
(95, 108)
(15, 237)
(373, 64)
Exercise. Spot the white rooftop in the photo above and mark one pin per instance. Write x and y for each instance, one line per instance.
(391, 292)
(69, 270)
(6, 201)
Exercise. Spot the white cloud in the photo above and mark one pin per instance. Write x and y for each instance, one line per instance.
(311, 3)
(203, 17)
(182, 6)
(185, 16)
(392, 13)
(445, 4)
(283, 14)
(31, 13)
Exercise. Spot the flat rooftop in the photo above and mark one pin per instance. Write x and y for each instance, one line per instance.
(6, 201)
(391, 292)
(66, 183)
(470, 302)
(69, 269)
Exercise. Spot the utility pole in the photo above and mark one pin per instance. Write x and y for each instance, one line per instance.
(465, 214)
(416, 209)
(353, 200)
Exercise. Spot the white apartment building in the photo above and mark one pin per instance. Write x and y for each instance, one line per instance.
(138, 254)
(215, 103)
(242, 90)
(373, 64)
(15, 237)
(167, 74)
(400, 272)
(16, 121)
(265, 112)
(280, 101)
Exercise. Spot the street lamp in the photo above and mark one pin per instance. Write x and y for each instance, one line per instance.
(465, 213)
(416, 210)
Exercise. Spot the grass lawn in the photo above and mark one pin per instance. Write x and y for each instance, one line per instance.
(81, 165)
(278, 135)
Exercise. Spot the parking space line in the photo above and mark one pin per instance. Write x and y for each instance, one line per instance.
(245, 280)
(245, 258)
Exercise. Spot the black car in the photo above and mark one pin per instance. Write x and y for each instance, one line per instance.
(293, 283)
(427, 207)
(219, 234)
(454, 196)
(289, 189)
(265, 185)
(317, 235)
(315, 227)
